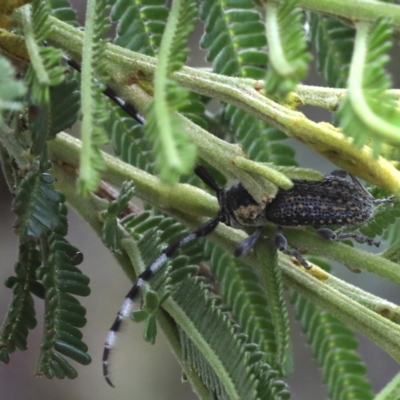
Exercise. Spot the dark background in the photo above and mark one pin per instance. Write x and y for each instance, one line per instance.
(139, 370)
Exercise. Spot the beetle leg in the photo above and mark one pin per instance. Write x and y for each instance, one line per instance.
(247, 244)
(328, 234)
(281, 245)
(387, 200)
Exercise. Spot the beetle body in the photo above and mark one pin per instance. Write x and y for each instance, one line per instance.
(332, 201)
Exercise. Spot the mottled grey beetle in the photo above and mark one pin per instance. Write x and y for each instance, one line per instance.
(333, 201)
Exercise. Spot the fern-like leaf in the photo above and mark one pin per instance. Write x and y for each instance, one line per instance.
(36, 205)
(129, 142)
(93, 106)
(140, 25)
(59, 114)
(62, 10)
(63, 313)
(175, 155)
(234, 38)
(240, 371)
(44, 70)
(10, 88)
(334, 346)
(272, 274)
(385, 215)
(140, 28)
(369, 111)
(287, 44)
(334, 43)
(235, 42)
(243, 293)
(21, 313)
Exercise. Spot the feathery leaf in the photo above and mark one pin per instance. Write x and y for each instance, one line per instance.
(272, 274)
(334, 345)
(21, 313)
(175, 155)
(368, 111)
(44, 70)
(63, 313)
(334, 44)
(36, 205)
(288, 60)
(62, 10)
(140, 25)
(93, 106)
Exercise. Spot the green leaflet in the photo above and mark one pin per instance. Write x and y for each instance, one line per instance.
(288, 60)
(368, 111)
(243, 292)
(334, 345)
(42, 219)
(385, 216)
(140, 24)
(140, 28)
(94, 112)
(62, 10)
(128, 139)
(10, 88)
(44, 70)
(63, 313)
(234, 38)
(272, 274)
(60, 113)
(235, 41)
(239, 372)
(175, 155)
(334, 44)
(36, 205)
(21, 313)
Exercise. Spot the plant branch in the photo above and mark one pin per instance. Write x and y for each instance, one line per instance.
(184, 201)
(129, 69)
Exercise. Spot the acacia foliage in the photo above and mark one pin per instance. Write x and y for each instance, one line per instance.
(263, 48)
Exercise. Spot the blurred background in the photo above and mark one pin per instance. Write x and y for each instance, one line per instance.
(139, 370)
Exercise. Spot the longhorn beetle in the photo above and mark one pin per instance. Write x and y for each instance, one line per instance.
(333, 201)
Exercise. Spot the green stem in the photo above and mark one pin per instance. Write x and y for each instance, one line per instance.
(88, 176)
(352, 258)
(383, 332)
(380, 306)
(168, 326)
(361, 10)
(179, 315)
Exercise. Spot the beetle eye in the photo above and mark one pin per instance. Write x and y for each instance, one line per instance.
(224, 219)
